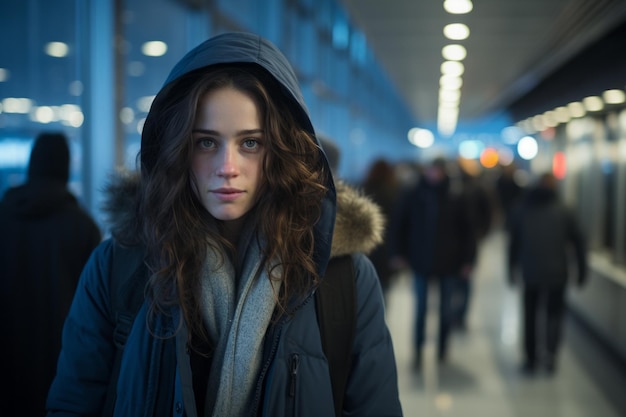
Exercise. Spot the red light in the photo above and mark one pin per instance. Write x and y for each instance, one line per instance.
(559, 168)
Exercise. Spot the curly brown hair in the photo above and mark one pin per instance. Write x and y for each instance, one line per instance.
(176, 228)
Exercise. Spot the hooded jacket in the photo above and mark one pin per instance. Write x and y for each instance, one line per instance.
(294, 377)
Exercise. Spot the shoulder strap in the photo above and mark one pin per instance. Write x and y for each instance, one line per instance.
(128, 278)
(336, 314)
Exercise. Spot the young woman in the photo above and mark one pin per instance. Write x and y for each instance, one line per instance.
(235, 217)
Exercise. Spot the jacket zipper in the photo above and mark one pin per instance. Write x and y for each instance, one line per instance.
(295, 362)
(278, 331)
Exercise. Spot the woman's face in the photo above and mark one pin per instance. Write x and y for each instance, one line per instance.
(228, 153)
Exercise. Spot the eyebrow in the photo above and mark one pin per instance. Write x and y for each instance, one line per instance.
(216, 133)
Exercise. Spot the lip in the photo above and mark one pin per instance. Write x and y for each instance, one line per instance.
(227, 194)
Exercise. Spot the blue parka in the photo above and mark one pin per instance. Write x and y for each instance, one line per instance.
(155, 374)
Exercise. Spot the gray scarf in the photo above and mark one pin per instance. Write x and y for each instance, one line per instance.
(236, 311)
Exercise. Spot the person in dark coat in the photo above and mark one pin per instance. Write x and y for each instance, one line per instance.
(508, 193)
(481, 214)
(235, 215)
(381, 185)
(433, 235)
(543, 230)
(45, 241)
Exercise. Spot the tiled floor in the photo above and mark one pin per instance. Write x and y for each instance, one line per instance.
(481, 377)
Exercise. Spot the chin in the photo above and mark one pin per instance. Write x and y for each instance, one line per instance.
(227, 216)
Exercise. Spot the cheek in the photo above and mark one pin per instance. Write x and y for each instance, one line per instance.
(259, 174)
(200, 166)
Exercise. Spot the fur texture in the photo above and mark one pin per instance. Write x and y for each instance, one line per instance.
(359, 223)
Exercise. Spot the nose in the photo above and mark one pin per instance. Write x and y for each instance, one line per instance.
(227, 165)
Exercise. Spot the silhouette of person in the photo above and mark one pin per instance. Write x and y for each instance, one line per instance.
(433, 235)
(481, 213)
(542, 231)
(45, 240)
(381, 185)
(508, 192)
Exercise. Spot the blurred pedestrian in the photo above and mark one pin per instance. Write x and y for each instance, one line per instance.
(480, 208)
(381, 185)
(232, 221)
(543, 230)
(508, 192)
(432, 234)
(45, 240)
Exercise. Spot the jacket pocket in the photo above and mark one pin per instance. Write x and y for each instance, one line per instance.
(294, 365)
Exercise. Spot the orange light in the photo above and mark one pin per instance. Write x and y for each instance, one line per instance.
(559, 166)
(489, 157)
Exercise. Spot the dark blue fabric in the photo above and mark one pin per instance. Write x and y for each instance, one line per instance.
(84, 365)
(446, 290)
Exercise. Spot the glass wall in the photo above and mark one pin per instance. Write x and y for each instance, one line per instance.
(91, 70)
(41, 83)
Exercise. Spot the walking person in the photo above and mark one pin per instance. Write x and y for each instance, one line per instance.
(46, 238)
(481, 215)
(542, 232)
(381, 185)
(235, 218)
(433, 235)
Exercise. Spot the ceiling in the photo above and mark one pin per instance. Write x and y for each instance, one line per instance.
(513, 45)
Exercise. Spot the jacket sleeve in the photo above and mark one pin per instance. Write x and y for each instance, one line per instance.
(87, 352)
(372, 388)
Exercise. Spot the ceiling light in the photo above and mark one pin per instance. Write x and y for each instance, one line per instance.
(448, 114)
(57, 49)
(456, 31)
(446, 121)
(422, 138)
(450, 96)
(593, 103)
(154, 48)
(454, 52)
(458, 6)
(538, 123)
(614, 96)
(527, 147)
(549, 118)
(576, 109)
(452, 68)
(17, 105)
(562, 114)
(527, 125)
(450, 82)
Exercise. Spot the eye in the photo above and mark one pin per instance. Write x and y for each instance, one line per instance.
(205, 143)
(251, 144)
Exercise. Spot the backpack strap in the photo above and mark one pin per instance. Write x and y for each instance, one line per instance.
(128, 277)
(336, 314)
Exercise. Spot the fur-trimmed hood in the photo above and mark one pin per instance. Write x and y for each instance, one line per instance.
(359, 222)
